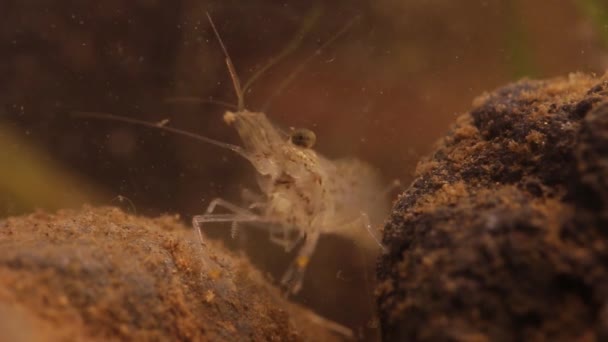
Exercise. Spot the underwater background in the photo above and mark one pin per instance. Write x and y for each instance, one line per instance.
(384, 92)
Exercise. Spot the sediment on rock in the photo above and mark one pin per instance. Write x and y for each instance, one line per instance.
(502, 236)
(101, 274)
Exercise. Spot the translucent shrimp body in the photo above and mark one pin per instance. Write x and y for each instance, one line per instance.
(303, 194)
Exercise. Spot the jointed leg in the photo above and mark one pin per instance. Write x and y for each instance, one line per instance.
(361, 221)
(219, 202)
(284, 241)
(199, 220)
(234, 229)
(295, 273)
(238, 215)
(364, 219)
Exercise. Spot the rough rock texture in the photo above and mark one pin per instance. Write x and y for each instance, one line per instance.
(100, 274)
(502, 236)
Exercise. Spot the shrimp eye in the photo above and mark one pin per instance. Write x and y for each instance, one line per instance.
(303, 137)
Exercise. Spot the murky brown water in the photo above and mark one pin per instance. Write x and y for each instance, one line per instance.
(383, 92)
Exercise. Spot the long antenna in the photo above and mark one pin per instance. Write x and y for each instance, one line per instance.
(233, 75)
(300, 67)
(310, 19)
(197, 100)
(162, 126)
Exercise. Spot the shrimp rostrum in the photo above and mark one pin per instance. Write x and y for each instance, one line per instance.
(302, 195)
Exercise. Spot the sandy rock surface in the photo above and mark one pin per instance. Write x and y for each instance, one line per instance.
(502, 236)
(101, 274)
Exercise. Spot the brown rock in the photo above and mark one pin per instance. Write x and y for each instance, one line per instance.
(100, 274)
(502, 236)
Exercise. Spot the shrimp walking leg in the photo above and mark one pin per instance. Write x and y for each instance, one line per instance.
(294, 275)
(284, 241)
(361, 221)
(364, 220)
(220, 202)
(238, 215)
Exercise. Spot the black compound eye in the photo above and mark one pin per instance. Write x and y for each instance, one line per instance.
(303, 137)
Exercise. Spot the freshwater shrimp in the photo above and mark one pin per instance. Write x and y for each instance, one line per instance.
(302, 194)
